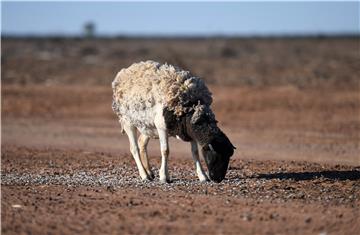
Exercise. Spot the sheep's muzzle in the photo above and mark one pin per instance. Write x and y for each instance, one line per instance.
(217, 155)
(217, 165)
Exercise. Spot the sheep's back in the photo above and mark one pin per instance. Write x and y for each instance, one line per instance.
(144, 85)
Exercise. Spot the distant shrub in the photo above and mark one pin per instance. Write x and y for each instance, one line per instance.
(89, 30)
(142, 51)
(86, 51)
(228, 52)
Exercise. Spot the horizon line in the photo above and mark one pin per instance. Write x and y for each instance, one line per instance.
(184, 35)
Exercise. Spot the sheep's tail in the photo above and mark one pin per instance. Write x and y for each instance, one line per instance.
(115, 108)
(121, 127)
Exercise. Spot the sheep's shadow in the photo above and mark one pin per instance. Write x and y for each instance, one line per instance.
(352, 175)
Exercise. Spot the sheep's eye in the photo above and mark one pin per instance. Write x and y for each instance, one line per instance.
(206, 148)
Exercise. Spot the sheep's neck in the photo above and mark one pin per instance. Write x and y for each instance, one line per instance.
(177, 126)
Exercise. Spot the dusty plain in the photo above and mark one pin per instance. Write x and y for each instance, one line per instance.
(290, 106)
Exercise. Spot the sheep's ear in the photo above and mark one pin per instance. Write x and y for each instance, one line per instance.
(222, 145)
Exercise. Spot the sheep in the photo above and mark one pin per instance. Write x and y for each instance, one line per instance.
(162, 101)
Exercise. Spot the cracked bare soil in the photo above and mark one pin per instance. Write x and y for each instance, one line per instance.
(294, 118)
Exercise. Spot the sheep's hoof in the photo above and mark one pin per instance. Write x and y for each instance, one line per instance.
(151, 175)
(165, 181)
(204, 179)
(145, 177)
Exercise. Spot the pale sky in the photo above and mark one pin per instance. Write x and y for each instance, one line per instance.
(186, 18)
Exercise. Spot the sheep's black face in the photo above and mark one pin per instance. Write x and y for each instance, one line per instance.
(217, 155)
(216, 147)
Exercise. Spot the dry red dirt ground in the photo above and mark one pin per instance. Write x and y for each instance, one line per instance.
(290, 106)
(66, 192)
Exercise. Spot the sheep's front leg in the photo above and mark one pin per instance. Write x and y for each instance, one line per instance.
(131, 133)
(143, 142)
(164, 146)
(199, 170)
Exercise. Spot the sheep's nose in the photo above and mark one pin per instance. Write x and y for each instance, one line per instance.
(216, 178)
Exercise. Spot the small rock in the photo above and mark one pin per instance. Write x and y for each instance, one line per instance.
(247, 217)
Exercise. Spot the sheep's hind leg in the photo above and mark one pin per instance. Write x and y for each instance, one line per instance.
(134, 149)
(143, 142)
(164, 146)
(199, 170)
